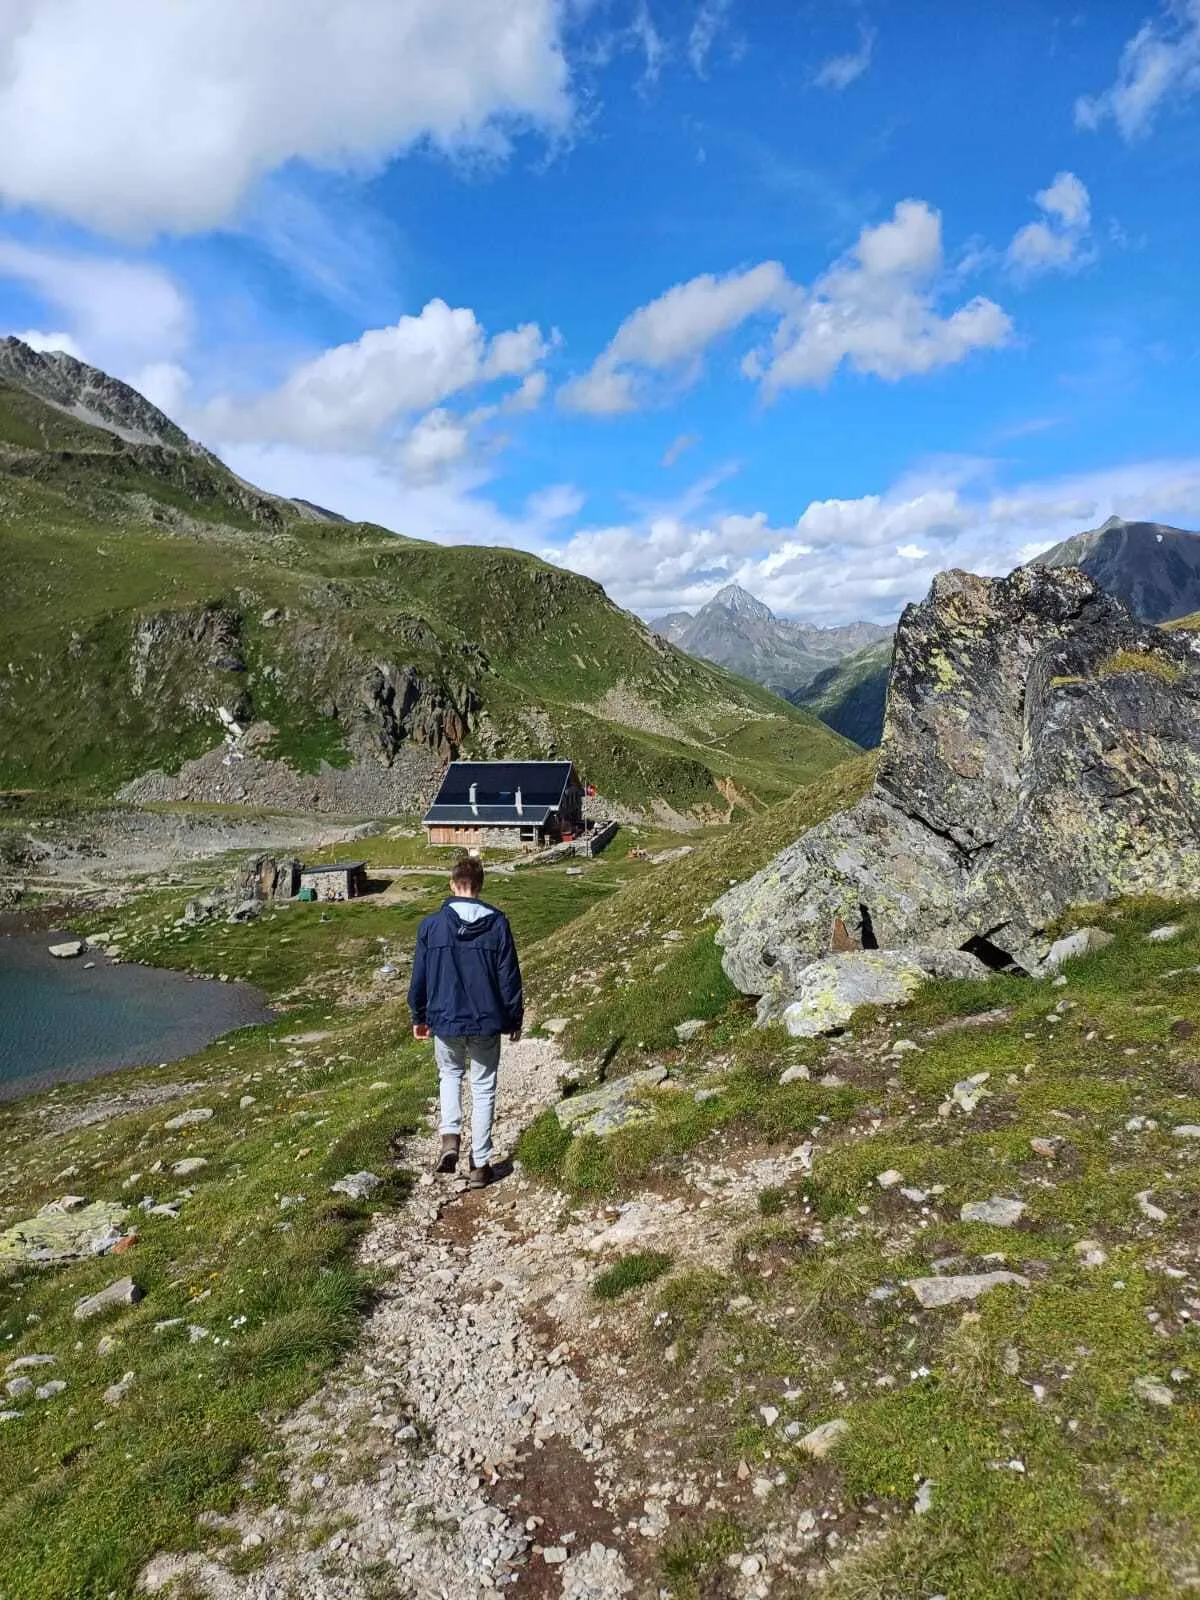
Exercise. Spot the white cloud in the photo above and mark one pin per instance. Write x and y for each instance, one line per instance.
(1067, 199)
(165, 384)
(122, 313)
(839, 72)
(347, 397)
(450, 509)
(134, 115)
(1159, 65)
(1060, 239)
(877, 311)
(711, 17)
(673, 331)
(435, 444)
(36, 340)
(867, 557)
(602, 392)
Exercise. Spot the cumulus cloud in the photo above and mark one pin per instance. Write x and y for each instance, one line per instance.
(348, 397)
(1059, 240)
(37, 340)
(122, 314)
(877, 311)
(839, 72)
(1159, 66)
(867, 557)
(672, 332)
(436, 443)
(135, 116)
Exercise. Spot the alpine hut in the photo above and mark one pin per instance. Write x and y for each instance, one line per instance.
(510, 805)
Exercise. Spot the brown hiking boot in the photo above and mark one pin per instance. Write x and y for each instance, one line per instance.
(479, 1177)
(447, 1160)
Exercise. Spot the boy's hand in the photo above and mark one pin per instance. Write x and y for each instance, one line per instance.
(420, 1030)
(515, 1036)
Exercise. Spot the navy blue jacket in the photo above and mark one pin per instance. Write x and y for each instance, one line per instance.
(465, 976)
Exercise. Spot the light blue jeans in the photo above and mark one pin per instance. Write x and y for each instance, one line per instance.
(481, 1052)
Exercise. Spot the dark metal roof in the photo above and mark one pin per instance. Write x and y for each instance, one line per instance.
(335, 866)
(542, 783)
(487, 816)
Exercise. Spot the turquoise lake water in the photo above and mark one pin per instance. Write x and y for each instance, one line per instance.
(59, 1020)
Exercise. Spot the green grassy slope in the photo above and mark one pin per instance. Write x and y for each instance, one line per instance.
(1052, 1421)
(1032, 1424)
(100, 538)
(850, 697)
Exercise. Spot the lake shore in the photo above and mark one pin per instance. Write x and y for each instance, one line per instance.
(70, 1020)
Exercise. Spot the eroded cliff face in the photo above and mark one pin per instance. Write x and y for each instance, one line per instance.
(191, 661)
(1041, 750)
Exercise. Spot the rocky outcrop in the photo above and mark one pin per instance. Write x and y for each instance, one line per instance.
(1041, 750)
(394, 706)
(266, 877)
(192, 659)
(90, 395)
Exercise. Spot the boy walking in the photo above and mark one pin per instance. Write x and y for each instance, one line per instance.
(466, 992)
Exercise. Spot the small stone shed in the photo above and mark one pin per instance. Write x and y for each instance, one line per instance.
(341, 880)
(512, 805)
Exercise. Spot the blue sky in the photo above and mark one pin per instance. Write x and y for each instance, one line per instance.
(819, 297)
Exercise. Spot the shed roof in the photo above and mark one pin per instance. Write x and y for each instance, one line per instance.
(334, 866)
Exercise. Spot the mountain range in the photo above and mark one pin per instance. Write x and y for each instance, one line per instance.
(841, 673)
(150, 594)
(739, 632)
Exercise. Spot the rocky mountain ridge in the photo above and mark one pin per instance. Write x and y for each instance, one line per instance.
(91, 396)
(1041, 751)
(736, 630)
(1152, 568)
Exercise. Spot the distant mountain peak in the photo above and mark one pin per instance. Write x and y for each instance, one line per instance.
(89, 395)
(1151, 567)
(742, 603)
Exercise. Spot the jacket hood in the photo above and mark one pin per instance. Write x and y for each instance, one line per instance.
(471, 918)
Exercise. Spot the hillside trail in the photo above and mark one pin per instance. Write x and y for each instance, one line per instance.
(488, 1435)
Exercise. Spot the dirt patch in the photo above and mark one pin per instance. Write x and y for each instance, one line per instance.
(556, 1485)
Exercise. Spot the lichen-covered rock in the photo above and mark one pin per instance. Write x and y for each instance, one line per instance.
(611, 1106)
(61, 1235)
(829, 991)
(1041, 750)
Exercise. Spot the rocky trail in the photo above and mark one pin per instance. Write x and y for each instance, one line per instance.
(485, 1437)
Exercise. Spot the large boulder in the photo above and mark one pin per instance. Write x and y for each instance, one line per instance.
(267, 878)
(1041, 749)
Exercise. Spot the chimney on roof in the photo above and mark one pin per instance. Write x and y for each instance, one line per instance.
(520, 805)
(471, 796)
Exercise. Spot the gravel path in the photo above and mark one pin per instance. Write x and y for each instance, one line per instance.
(404, 1468)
